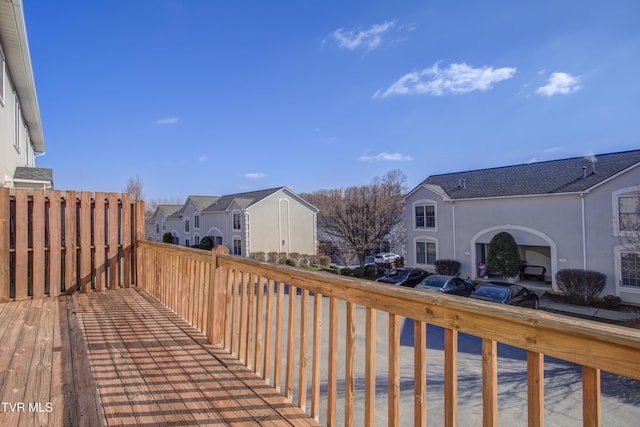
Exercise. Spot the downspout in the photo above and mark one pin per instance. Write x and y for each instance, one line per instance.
(453, 222)
(584, 234)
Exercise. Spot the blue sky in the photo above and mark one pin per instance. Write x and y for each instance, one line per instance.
(217, 97)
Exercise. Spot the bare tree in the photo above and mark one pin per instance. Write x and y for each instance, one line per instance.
(361, 218)
(134, 188)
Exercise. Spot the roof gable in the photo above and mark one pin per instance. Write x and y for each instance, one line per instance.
(244, 200)
(571, 175)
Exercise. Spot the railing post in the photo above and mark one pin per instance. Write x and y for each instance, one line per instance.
(4, 243)
(217, 298)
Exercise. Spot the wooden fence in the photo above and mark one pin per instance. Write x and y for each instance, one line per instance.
(262, 312)
(59, 242)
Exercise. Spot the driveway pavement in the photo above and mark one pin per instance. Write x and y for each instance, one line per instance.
(563, 390)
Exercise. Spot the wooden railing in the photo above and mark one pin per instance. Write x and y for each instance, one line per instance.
(54, 242)
(256, 310)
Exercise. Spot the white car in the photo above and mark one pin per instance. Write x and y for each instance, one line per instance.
(386, 258)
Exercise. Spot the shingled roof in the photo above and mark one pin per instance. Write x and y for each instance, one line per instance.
(571, 175)
(33, 174)
(243, 199)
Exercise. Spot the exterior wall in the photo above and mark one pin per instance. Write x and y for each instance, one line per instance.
(544, 224)
(560, 231)
(193, 234)
(10, 156)
(282, 223)
(604, 242)
(218, 224)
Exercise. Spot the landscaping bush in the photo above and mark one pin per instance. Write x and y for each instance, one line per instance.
(324, 260)
(612, 302)
(295, 255)
(167, 238)
(292, 262)
(206, 243)
(358, 272)
(258, 256)
(370, 271)
(347, 272)
(503, 255)
(272, 257)
(580, 286)
(447, 267)
(282, 257)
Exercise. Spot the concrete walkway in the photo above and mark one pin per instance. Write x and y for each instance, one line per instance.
(586, 312)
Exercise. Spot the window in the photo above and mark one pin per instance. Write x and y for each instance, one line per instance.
(237, 247)
(236, 221)
(629, 213)
(186, 225)
(196, 240)
(425, 216)
(164, 226)
(186, 243)
(157, 228)
(196, 222)
(426, 253)
(17, 126)
(630, 263)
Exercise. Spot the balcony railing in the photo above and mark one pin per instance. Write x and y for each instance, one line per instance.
(263, 314)
(317, 338)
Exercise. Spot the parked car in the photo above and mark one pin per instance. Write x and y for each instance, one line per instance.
(386, 258)
(403, 276)
(507, 293)
(447, 285)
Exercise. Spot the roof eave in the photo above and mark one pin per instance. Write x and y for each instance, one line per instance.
(16, 50)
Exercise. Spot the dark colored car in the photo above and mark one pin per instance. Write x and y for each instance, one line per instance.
(507, 293)
(403, 277)
(447, 285)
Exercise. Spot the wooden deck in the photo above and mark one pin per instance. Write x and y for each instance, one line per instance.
(120, 358)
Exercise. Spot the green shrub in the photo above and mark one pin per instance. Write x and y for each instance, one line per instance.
(292, 262)
(370, 271)
(167, 238)
(503, 255)
(206, 243)
(612, 302)
(447, 267)
(580, 286)
(358, 272)
(346, 272)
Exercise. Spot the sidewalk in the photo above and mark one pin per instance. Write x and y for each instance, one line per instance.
(586, 312)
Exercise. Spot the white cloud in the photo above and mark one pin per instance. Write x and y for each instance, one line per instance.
(560, 84)
(387, 157)
(553, 149)
(254, 175)
(368, 39)
(168, 121)
(456, 79)
(203, 159)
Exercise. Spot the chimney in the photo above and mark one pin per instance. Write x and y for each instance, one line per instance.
(462, 183)
(584, 172)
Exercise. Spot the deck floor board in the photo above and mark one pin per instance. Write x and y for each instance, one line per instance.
(121, 358)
